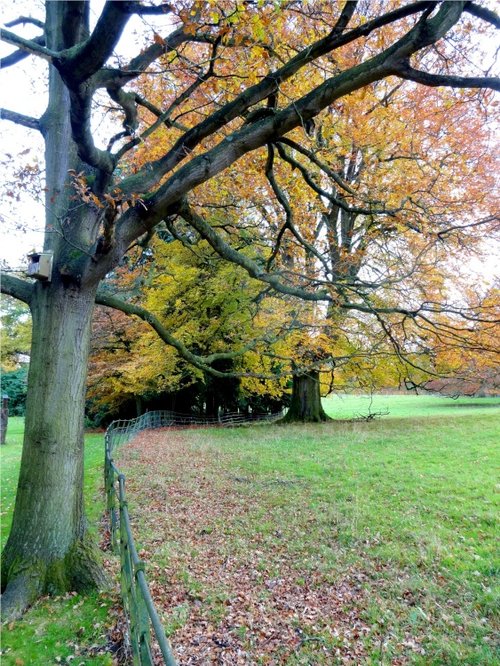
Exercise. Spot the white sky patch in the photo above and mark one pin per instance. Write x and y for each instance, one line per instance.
(24, 90)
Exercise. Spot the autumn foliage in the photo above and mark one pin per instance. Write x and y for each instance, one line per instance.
(384, 202)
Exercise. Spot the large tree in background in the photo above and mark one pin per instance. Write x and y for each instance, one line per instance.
(97, 206)
(210, 306)
(365, 201)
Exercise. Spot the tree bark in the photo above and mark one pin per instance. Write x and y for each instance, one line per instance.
(4, 419)
(48, 549)
(305, 406)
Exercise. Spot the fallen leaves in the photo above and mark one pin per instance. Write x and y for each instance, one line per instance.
(227, 593)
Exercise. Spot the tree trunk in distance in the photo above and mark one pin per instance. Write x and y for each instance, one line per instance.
(4, 419)
(305, 405)
(48, 550)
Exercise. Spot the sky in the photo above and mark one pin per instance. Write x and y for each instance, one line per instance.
(18, 85)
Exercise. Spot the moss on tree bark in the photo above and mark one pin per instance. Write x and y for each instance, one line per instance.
(49, 550)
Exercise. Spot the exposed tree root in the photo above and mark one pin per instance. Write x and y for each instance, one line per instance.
(25, 581)
(291, 417)
(21, 591)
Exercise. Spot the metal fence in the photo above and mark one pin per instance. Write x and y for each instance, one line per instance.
(136, 597)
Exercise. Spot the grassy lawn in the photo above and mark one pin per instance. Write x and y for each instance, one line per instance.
(361, 543)
(71, 629)
(407, 406)
(367, 542)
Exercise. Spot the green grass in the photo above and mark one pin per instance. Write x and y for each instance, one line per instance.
(70, 629)
(409, 502)
(406, 406)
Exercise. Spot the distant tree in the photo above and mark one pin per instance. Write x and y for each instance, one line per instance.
(15, 386)
(473, 369)
(208, 305)
(15, 321)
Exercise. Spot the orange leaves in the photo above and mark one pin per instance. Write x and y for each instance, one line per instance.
(110, 200)
(83, 190)
(113, 200)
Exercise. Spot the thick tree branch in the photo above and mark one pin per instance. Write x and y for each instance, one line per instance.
(17, 288)
(81, 96)
(405, 71)
(345, 16)
(81, 117)
(163, 117)
(81, 62)
(483, 13)
(150, 10)
(109, 77)
(20, 119)
(255, 271)
(29, 46)
(153, 172)
(19, 55)
(250, 137)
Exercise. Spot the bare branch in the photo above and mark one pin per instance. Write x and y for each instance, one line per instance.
(252, 267)
(330, 196)
(23, 20)
(459, 227)
(289, 224)
(19, 55)
(29, 46)
(405, 71)
(17, 288)
(321, 165)
(20, 119)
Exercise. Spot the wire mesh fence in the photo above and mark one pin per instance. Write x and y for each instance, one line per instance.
(137, 601)
(122, 431)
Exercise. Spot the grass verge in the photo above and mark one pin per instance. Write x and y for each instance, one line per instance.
(62, 630)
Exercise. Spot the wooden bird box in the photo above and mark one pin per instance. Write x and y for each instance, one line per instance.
(40, 265)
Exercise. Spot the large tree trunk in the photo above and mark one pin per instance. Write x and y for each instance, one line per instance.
(305, 405)
(48, 550)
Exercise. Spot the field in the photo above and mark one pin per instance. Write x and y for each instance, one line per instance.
(361, 543)
(365, 542)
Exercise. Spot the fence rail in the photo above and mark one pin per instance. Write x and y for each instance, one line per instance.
(137, 601)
